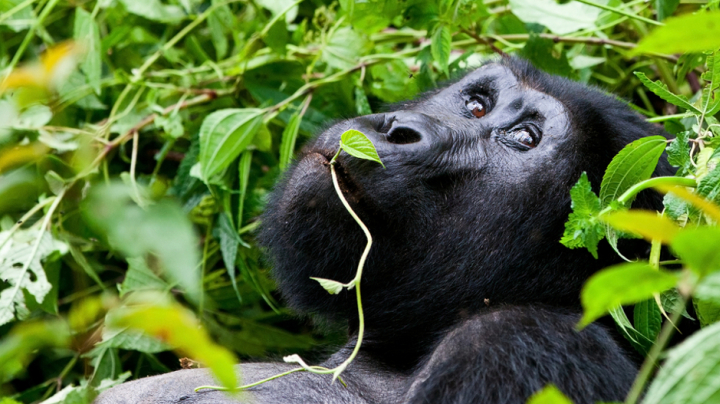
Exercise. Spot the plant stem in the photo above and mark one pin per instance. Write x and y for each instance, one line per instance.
(668, 117)
(29, 36)
(652, 357)
(619, 11)
(649, 183)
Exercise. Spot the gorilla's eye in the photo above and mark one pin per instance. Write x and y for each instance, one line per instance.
(524, 137)
(476, 107)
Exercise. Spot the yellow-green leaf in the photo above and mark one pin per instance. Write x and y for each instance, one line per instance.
(687, 33)
(332, 287)
(356, 144)
(644, 223)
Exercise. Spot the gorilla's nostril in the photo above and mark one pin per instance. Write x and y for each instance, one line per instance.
(384, 125)
(403, 135)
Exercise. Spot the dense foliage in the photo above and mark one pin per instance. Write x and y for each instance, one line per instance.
(139, 138)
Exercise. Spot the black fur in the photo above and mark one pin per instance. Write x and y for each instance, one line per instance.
(468, 295)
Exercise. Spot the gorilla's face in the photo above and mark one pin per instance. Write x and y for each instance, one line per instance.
(468, 210)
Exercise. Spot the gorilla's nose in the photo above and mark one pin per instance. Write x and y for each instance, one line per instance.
(396, 129)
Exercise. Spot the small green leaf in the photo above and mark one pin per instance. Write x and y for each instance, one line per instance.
(356, 144)
(699, 248)
(708, 311)
(583, 229)
(362, 106)
(691, 373)
(648, 224)
(224, 135)
(635, 162)
(678, 152)
(662, 91)
(87, 33)
(549, 395)
(687, 33)
(559, 18)
(440, 46)
(627, 283)
(155, 10)
(709, 186)
(333, 287)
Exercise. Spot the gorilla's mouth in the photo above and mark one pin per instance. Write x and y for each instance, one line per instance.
(346, 182)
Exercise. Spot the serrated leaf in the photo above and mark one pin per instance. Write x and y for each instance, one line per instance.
(699, 248)
(140, 277)
(224, 135)
(687, 33)
(635, 162)
(356, 144)
(627, 283)
(647, 224)
(648, 320)
(709, 186)
(332, 287)
(703, 204)
(440, 46)
(691, 372)
(708, 311)
(678, 152)
(583, 229)
(289, 137)
(87, 33)
(662, 91)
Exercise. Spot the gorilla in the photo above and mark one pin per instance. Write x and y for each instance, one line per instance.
(468, 295)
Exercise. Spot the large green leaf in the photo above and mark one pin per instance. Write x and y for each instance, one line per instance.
(558, 18)
(549, 395)
(224, 135)
(699, 248)
(440, 46)
(636, 162)
(648, 319)
(627, 283)
(648, 224)
(691, 373)
(687, 33)
(344, 48)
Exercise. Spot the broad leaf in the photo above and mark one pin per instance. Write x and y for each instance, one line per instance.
(155, 10)
(549, 395)
(140, 277)
(558, 18)
(647, 224)
(699, 248)
(687, 33)
(622, 284)
(343, 48)
(691, 372)
(635, 162)
(289, 137)
(356, 144)
(648, 321)
(224, 135)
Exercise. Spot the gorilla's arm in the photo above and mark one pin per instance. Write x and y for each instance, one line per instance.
(507, 355)
(367, 382)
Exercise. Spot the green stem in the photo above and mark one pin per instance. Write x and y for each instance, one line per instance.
(4, 16)
(652, 182)
(29, 36)
(668, 117)
(619, 11)
(652, 357)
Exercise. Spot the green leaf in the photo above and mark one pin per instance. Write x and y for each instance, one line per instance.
(140, 277)
(229, 241)
(648, 320)
(289, 137)
(678, 152)
(161, 229)
(691, 372)
(178, 327)
(665, 8)
(332, 287)
(362, 106)
(583, 229)
(540, 52)
(21, 344)
(559, 18)
(440, 46)
(708, 311)
(627, 283)
(356, 144)
(661, 90)
(709, 186)
(87, 33)
(687, 33)
(647, 224)
(344, 48)
(549, 395)
(635, 162)
(224, 135)
(699, 248)
(155, 10)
